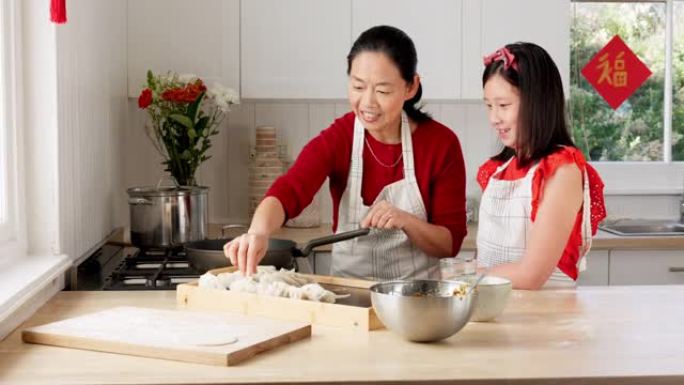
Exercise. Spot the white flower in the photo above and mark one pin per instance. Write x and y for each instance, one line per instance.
(168, 77)
(224, 97)
(187, 78)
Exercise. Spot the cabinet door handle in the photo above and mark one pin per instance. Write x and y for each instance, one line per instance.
(676, 269)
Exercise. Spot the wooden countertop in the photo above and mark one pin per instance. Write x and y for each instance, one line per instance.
(602, 241)
(610, 335)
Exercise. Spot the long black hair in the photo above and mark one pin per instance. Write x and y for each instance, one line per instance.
(399, 47)
(542, 119)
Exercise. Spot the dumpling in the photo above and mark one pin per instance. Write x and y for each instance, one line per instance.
(227, 278)
(316, 292)
(285, 276)
(210, 281)
(295, 292)
(269, 281)
(277, 289)
(244, 285)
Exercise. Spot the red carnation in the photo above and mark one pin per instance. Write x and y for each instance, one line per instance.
(187, 94)
(145, 98)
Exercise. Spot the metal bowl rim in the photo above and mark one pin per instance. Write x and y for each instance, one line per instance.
(375, 287)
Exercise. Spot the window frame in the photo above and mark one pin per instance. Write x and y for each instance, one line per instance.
(658, 177)
(12, 232)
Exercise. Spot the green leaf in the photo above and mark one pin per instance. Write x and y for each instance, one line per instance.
(192, 134)
(201, 124)
(185, 154)
(193, 108)
(182, 119)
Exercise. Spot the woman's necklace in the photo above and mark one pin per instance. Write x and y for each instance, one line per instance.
(379, 161)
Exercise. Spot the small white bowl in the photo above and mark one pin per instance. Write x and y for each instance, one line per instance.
(492, 296)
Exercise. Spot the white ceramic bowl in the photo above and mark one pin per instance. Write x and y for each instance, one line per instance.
(492, 296)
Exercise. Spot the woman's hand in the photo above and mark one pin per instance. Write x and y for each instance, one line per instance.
(432, 239)
(385, 216)
(245, 251)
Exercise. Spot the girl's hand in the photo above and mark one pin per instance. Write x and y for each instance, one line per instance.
(245, 251)
(385, 216)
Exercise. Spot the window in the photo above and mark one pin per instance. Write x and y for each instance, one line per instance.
(636, 130)
(638, 149)
(678, 82)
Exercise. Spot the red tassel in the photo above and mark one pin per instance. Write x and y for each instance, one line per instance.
(58, 11)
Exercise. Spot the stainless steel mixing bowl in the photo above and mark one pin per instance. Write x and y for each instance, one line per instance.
(422, 310)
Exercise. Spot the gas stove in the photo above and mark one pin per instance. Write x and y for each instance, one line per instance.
(116, 267)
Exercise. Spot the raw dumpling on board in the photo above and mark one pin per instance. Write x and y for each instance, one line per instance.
(269, 281)
(245, 285)
(210, 281)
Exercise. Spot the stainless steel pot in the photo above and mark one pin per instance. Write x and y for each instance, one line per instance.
(167, 216)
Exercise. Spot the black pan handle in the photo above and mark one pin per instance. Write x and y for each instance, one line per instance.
(306, 250)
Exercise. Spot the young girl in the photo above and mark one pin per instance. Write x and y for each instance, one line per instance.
(391, 167)
(541, 200)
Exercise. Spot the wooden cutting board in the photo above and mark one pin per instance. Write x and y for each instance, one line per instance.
(180, 335)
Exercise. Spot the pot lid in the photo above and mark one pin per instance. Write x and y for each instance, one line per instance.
(152, 191)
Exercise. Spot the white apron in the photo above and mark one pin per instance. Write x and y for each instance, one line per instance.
(383, 254)
(504, 223)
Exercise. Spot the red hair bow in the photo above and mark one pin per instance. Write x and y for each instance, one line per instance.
(502, 54)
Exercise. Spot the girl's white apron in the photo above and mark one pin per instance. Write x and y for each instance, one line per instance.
(504, 223)
(383, 254)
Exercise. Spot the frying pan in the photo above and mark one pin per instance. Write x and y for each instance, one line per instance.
(208, 254)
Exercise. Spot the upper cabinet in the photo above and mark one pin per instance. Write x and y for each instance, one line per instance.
(434, 27)
(295, 48)
(490, 24)
(198, 37)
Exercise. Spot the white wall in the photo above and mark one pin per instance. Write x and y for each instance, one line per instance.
(91, 94)
(40, 129)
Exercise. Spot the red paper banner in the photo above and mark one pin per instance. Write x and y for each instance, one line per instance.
(616, 72)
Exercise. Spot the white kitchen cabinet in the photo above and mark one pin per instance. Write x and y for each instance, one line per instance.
(596, 273)
(495, 23)
(433, 25)
(199, 37)
(471, 58)
(646, 267)
(295, 48)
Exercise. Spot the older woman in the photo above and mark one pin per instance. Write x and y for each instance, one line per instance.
(391, 167)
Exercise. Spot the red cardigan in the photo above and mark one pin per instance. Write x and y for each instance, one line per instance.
(439, 165)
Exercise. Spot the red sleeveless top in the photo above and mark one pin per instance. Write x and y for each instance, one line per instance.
(547, 167)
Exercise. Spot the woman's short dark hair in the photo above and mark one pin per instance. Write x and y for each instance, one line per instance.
(399, 47)
(542, 120)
